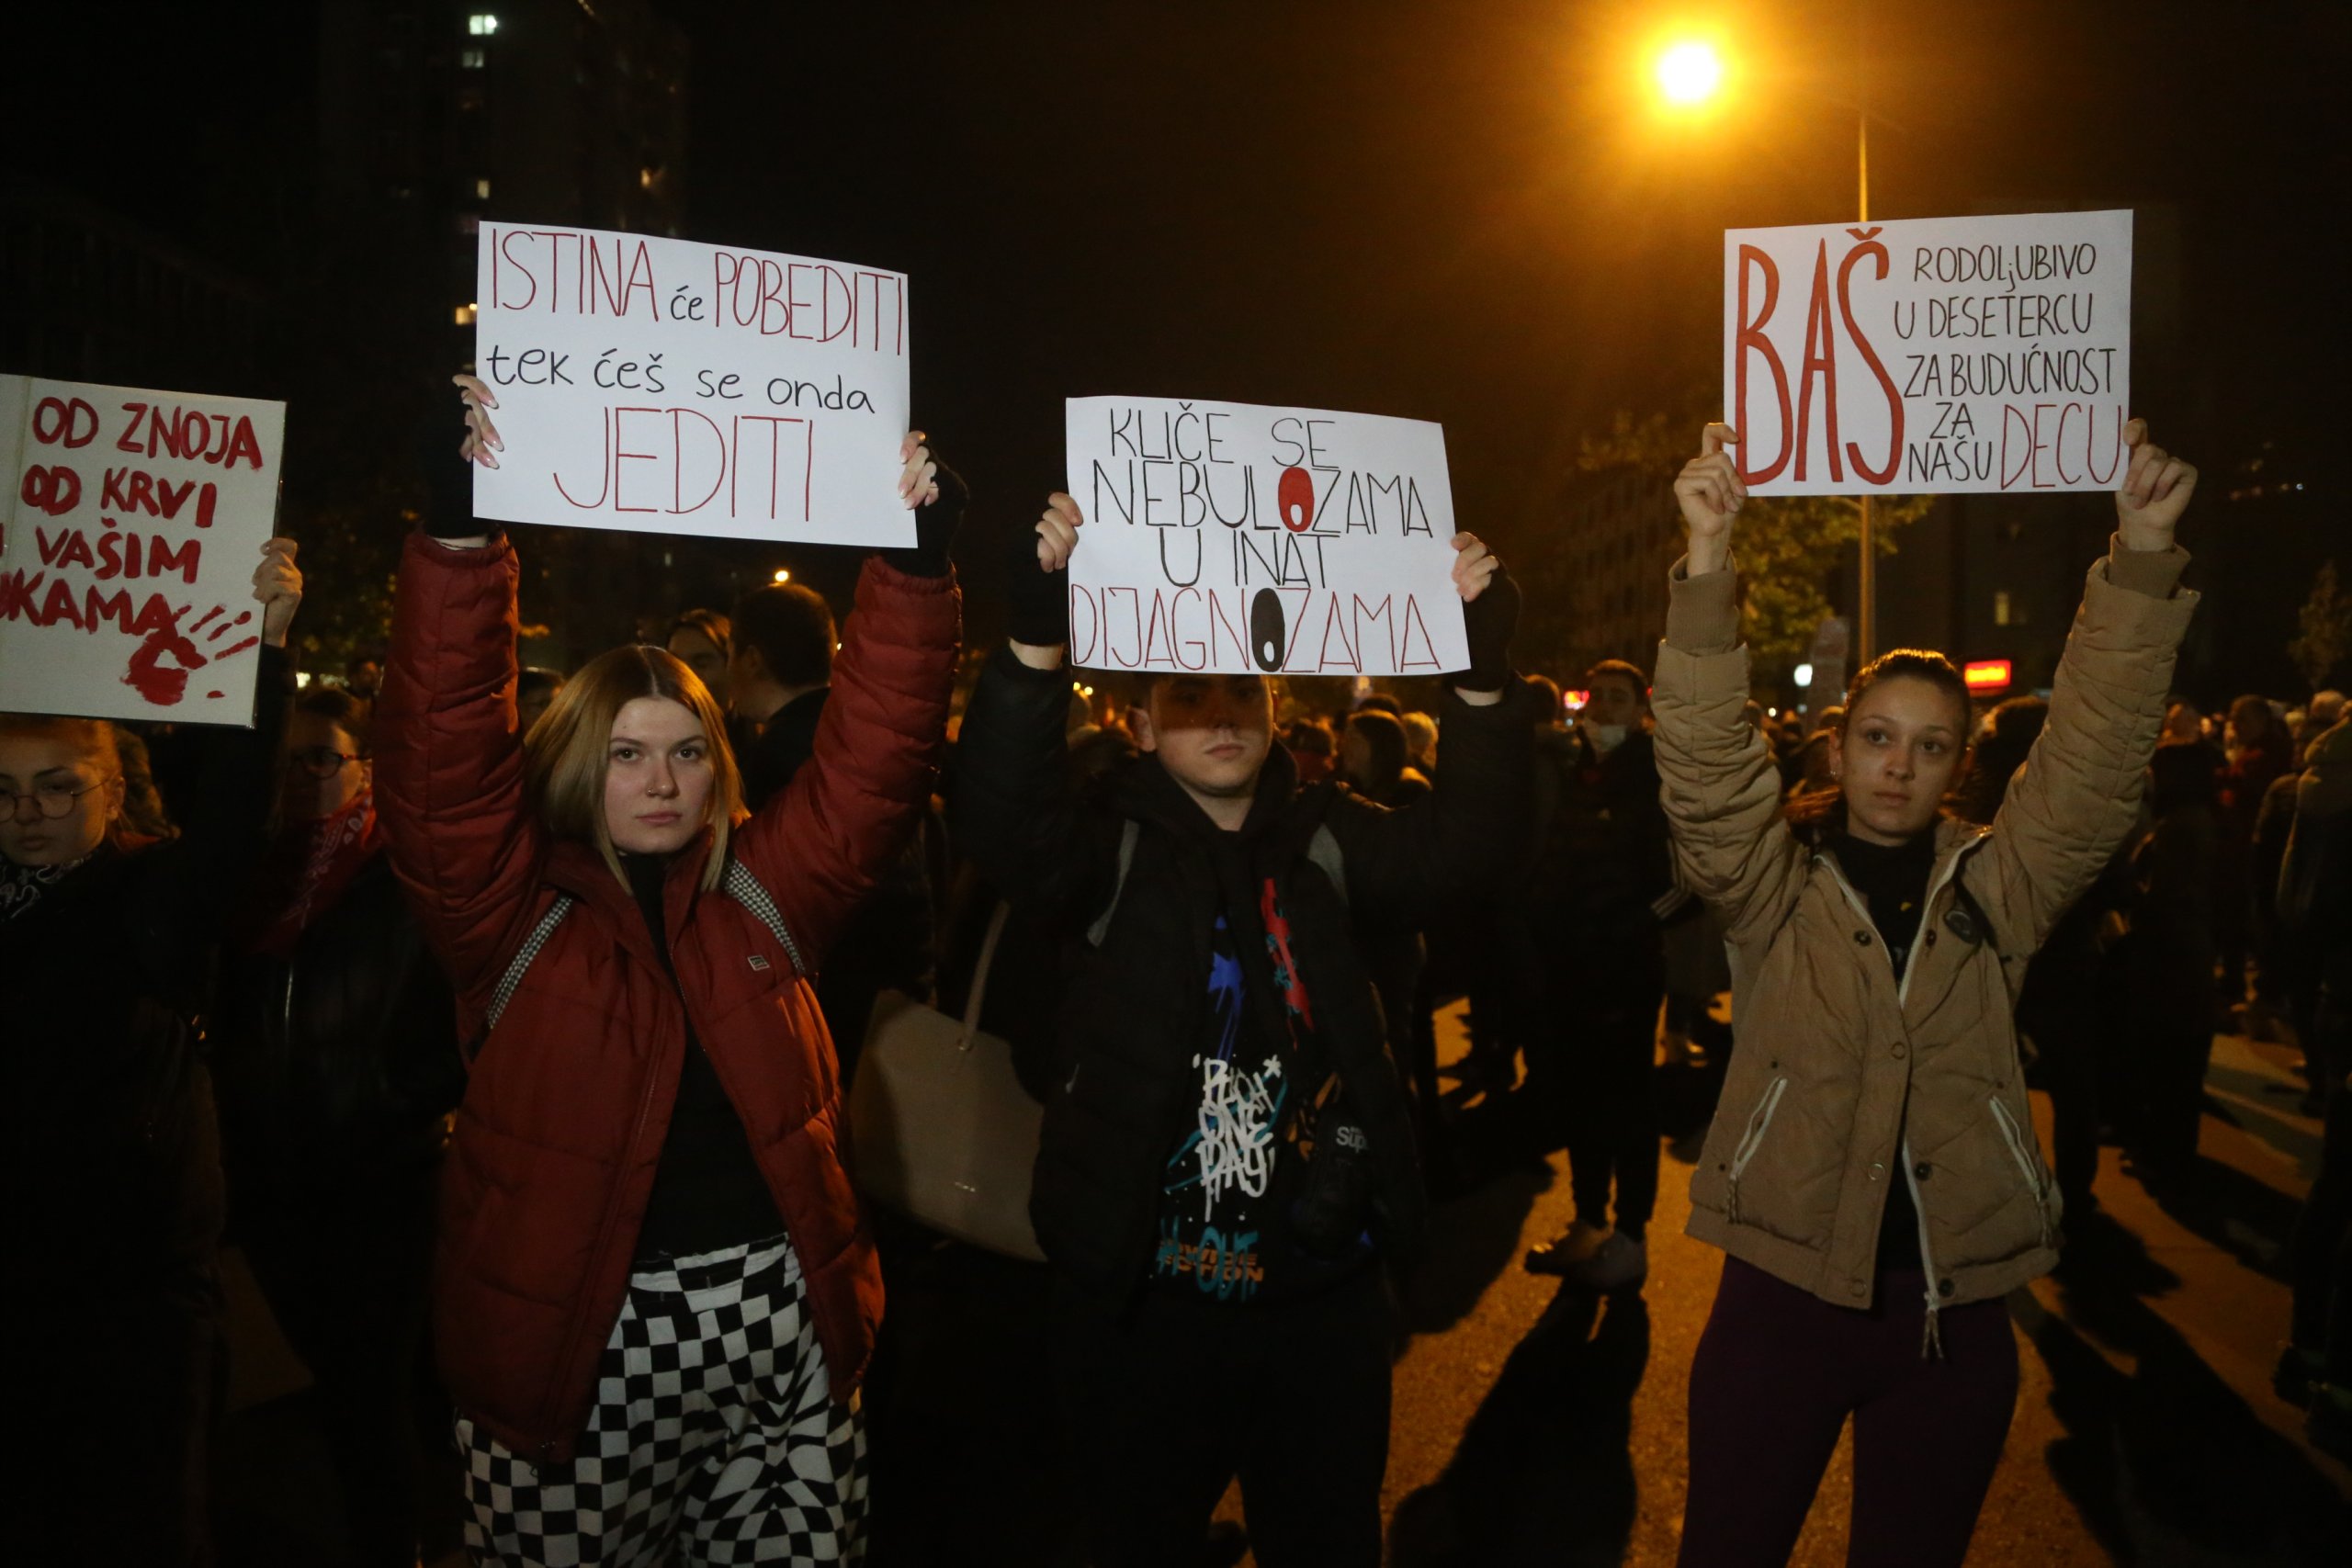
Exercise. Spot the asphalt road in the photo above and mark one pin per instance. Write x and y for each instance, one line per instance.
(1534, 1425)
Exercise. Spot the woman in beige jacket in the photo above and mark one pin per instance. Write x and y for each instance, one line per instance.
(1873, 1171)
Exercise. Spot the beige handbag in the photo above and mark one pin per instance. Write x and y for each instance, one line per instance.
(940, 1128)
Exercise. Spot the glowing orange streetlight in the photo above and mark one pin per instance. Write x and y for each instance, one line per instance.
(1690, 72)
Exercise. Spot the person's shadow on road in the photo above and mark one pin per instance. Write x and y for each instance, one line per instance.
(2167, 1462)
(1545, 1473)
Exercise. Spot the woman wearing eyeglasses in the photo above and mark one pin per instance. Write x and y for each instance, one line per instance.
(336, 1054)
(107, 938)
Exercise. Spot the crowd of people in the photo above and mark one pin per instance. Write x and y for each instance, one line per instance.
(506, 1019)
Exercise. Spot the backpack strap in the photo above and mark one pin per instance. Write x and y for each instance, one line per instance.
(745, 889)
(1129, 831)
(521, 963)
(1323, 853)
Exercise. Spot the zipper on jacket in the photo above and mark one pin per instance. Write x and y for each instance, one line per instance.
(1931, 1338)
(2013, 1136)
(1759, 1122)
(1927, 907)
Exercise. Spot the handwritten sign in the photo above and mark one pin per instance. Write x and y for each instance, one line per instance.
(1932, 356)
(130, 530)
(667, 386)
(1244, 540)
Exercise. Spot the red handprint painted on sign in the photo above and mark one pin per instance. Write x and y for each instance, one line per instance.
(164, 685)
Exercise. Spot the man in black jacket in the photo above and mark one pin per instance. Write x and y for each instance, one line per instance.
(1600, 889)
(1228, 1154)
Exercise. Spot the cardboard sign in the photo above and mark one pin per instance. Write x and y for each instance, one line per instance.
(1243, 539)
(667, 386)
(1941, 355)
(130, 530)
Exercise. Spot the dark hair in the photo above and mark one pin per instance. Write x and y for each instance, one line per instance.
(1309, 735)
(353, 716)
(1909, 663)
(2181, 774)
(2010, 732)
(1380, 701)
(1624, 668)
(533, 679)
(791, 629)
(710, 624)
(1385, 738)
(1547, 696)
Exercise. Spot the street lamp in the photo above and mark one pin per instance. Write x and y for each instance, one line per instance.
(781, 575)
(1689, 74)
(1690, 71)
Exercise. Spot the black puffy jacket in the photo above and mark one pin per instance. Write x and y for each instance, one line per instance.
(1132, 1017)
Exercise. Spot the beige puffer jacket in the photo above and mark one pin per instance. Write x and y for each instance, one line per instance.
(1843, 1081)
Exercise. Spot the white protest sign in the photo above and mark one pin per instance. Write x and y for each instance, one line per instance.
(1244, 540)
(129, 528)
(1939, 355)
(667, 386)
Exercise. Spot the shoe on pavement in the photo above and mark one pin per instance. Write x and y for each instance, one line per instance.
(1622, 1264)
(2299, 1371)
(2329, 1424)
(1583, 1239)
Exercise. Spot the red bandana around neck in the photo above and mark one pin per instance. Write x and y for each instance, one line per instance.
(304, 874)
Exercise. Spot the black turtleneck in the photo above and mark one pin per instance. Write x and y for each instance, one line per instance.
(1893, 880)
(708, 1190)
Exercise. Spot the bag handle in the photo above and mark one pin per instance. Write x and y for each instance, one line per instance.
(980, 976)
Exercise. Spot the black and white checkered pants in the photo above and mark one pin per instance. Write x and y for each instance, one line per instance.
(715, 1438)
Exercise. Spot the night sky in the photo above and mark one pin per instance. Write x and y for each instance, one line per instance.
(1464, 212)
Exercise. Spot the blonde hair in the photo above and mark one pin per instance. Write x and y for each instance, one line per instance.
(565, 754)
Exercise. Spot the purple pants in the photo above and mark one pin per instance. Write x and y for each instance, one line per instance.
(1777, 1373)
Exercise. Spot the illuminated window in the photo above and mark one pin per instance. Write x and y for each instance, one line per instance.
(469, 59)
(2001, 608)
(481, 24)
(481, 190)
(465, 315)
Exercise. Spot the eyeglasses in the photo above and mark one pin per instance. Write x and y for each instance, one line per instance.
(48, 800)
(319, 761)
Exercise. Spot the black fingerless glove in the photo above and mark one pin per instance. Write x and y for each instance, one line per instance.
(935, 527)
(1488, 622)
(1039, 601)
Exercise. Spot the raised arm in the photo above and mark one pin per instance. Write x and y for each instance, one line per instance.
(819, 846)
(1468, 836)
(227, 819)
(1719, 788)
(449, 752)
(449, 762)
(2077, 794)
(1013, 810)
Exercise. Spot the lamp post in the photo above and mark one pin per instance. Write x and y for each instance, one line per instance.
(1689, 74)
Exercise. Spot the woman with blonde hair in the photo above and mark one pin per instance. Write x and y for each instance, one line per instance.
(655, 1295)
(106, 941)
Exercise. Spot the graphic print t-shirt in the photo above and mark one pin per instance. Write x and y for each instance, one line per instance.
(1263, 1107)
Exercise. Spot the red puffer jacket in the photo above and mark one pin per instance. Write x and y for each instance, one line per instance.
(565, 1117)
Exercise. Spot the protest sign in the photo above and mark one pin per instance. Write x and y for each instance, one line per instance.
(130, 529)
(1243, 539)
(1937, 355)
(662, 386)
